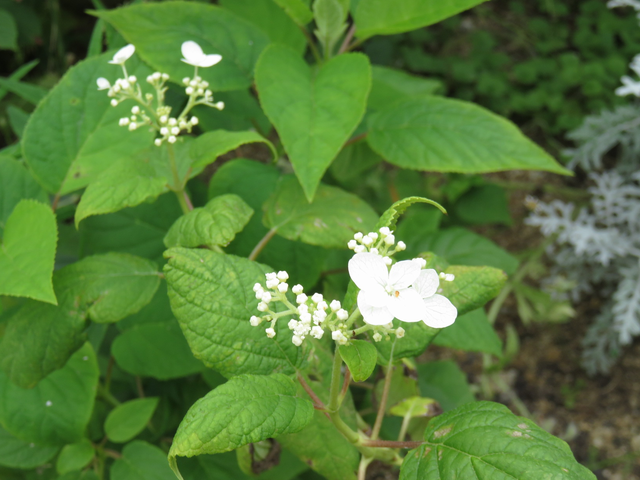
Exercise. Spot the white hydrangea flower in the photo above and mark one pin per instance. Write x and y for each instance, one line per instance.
(123, 55)
(439, 312)
(193, 55)
(385, 294)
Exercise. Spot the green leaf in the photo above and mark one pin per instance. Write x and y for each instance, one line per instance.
(322, 447)
(330, 221)
(391, 85)
(75, 456)
(330, 18)
(8, 31)
(141, 461)
(16, 183)
(380, 17)
(360, 356)
(27, 252)
(241, 112)
(126, 183)
(297, 10)
(460, 247)
(246, 409)
(444, 135)
(390, 217)
(159, 29)
(472, 287)
(416, 339)
(139, 230)
(57, 410)
(483, 205)
(486, 440)
(111, 286)
(19, 74)
(444, 382)
(213, 299)
(314, 111)
(403, 385)
(79, 475)
(414, 407)
(128, 419)
(39, 339)
(157, 350)
(73, 136)
(352, 161)
(209, 146)
(471, 332)
(16, 453)
(271, 19)
(27, 91)
(215, 224)
(18, 119)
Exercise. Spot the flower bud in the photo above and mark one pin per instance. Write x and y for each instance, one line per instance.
(282, 275)
(358, 236)
(317, 298)
(186, 80)
(400, 332)
(255, 321)
(262, 307)
(377, 337)
(401, 246)
(296, 340)
(194, 120)
(301, 298)
(390, 239)
(266, 297)
(270, 332)
(175, 130)
(157, 142)
(342, 314)
(297, 289)
(367, 240)
(171, 139)
(387, 260)
(335, 306)
(283, 287)
(384, 231)
(317, 332)
(189, 90)
(352, 244)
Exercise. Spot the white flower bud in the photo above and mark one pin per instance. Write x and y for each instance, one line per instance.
(173, 122)
(322, 305)
(401, 246)
(335, 306)
(373, 235)
(358, 236)
(374, 250)
(219, 105)
(352, 244)
(271, 275)
(342, 314)
(114, 103)
(255, 321)
(292, 324)
(263, 307)
(317, 332)
(367, 240)
(175, 130)
(390, 239)
(135, 110)
(387, 260)
(156, 75)
(384, 231)
(296, 340)
(449, 277)
(283, 287)
(270, 332)
(133, 126)
(164, 131)
(400, 332)
(441, 275)
(301, 298)
(282, 275)
(163, 119)
(157, 142)
(148, 96)
(149, 78)
(266, 297)
(317, 297)
(186, 80)
(103, 83)
(171, 139)
(273, 283)
(359, 249)
(420, 261)
(165, 76)
(297, 289)
(194, 121)
(200, 91)
(377, 337)
(336, 334)
(305, 317)
(123, 122)
(189, 90)
(257, 287)
(304, 308)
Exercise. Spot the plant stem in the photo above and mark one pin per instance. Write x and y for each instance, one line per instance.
(385, 394)
(362, 468)
(345, 385)
(312, 45)
(390, 444)
(353, 317)
(355, 139)
(310, 392)
(262, 243)
(179, 187)
(405, 425)
(347, 39)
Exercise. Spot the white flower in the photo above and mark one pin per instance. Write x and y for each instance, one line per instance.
(342, 314)
(297, 289)
(401, 246)
(123, 55)
(296, 340)
(270, 332)
(439, 312)
(301, 298)
(317, 332)
(335, 305)
(103, 83)
(352, 244)
(385, 294)
(400, 332)
(193, 55)
(385, 231)
(317, 297)
(255, 321)
(283, 276)
(282, 288)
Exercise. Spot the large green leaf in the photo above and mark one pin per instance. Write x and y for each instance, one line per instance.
(126, 183)
(330, 221)
(111, 286)
(246, 409)
(485, 440)
(444, 135)
(39, 339)
(472, 287)
(271, 19)
(330, 16)
(215, 224)
(209, 146)
(445, 382)
(142, 461)
(57, 410)
(73, 136)
(159, 29)
(27, 252)
(129, 419)
(16, 183)
(27, 91)
(391, 85)
(213, 299)
(471, 332)
(381, 17)
(16, 453)
(321, 446)
(314, 111)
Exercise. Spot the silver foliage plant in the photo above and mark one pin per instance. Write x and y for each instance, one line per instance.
(597, 246)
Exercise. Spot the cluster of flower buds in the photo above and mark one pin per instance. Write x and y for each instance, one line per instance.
(382, 243)
(160, 118)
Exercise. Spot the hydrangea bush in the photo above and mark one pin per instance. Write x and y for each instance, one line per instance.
(144, 318)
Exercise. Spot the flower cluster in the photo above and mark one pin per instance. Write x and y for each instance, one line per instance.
(404, 290)
(159, 117)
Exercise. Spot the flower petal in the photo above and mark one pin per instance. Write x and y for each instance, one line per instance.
(123, 54)
(191, 52)
(403, 274)
(209, 60)
(103, 83)
(440, 312)
(427, 283)
(377, 297)
(368, 272)
(370, 313)
(407, 306)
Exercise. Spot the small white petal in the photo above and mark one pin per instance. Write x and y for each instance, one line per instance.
(440, 312)
(406, 305)
(427, 283)
(103, 84)
(372, 314)
(403, 274)
(123, 55)
(369, 272)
